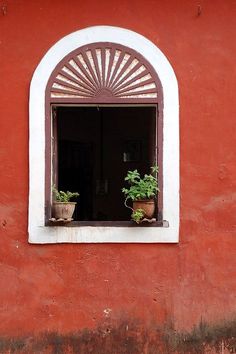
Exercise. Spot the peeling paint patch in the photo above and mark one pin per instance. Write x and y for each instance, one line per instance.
(4, 223)
(129, 337)
(107, 312)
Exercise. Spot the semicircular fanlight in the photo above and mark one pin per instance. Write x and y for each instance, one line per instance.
(104, 70)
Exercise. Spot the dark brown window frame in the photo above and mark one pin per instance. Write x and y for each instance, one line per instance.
(102, 99)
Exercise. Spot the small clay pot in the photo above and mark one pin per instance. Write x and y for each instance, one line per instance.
(62, 210)
(148, 206)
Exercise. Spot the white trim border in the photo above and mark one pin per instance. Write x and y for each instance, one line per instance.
(38, 233)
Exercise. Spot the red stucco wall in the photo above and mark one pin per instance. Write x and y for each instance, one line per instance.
(66, 288)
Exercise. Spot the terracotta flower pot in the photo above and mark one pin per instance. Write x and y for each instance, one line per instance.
(148, 205)
(62, 210)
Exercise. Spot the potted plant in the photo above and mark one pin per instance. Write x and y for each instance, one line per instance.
(142, 192)
(62, 207)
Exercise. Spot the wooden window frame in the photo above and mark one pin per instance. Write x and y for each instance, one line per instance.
(98, 86)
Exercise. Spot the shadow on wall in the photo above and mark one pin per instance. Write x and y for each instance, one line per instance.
(129, 337)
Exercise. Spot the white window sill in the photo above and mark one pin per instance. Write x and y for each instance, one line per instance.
(103, 234)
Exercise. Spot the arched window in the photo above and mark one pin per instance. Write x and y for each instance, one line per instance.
(84, 80)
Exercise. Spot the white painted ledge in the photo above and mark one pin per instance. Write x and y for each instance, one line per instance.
(38, 233)
(103, 234)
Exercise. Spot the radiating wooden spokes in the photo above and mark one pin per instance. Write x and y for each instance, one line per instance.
(104, 71)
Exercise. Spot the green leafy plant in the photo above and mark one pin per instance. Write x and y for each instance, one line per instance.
(137, 215)
(61, 196)
(141, 188)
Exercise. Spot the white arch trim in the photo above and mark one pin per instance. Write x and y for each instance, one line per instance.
(38, 233)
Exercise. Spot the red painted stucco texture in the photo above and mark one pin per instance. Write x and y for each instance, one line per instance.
(66, 288)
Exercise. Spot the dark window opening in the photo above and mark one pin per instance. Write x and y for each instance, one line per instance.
(95, 147)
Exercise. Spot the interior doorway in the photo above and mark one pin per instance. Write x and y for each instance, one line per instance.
(96, 146)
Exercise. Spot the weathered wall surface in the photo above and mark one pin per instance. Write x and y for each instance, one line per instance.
(132, 298)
